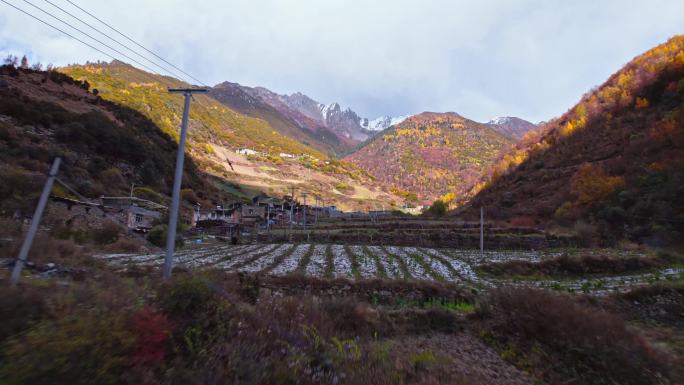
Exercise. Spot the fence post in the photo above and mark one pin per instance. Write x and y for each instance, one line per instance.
(35, 221)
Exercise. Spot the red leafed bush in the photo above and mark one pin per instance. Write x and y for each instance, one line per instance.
(152, 329)
(522, 221)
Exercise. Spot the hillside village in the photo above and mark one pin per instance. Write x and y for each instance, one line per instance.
(155, 230)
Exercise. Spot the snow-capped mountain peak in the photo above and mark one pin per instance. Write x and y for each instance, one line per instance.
(499, 120)
(382, 122)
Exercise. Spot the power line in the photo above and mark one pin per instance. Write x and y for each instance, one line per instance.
(66, 33)
(97, 40)
(112, 39)
(136, 43)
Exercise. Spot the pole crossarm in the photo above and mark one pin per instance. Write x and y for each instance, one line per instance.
(188, 90)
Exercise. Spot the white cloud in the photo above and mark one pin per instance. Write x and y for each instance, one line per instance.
(529, 58)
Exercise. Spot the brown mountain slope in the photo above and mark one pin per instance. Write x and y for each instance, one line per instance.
(430, 154)
(615, 160)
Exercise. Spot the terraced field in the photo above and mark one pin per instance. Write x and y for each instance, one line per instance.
(391, 262)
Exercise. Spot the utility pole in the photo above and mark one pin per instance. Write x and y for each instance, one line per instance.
(35, 221)
(268, 221)
(178, 177)
(318, 208)
(292, 208)
(304, 195)
(482, 231)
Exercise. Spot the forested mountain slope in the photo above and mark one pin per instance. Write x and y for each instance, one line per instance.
(430, 154)
(615, 161)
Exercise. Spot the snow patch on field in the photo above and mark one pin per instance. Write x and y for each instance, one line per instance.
(244, 257)
(209, 258)
(414, 268)
(367, 266)
(292, 261)
(318, 262)
(462, 268)
(389, 263)
(343, 266)
(266, 260)
(439, 267)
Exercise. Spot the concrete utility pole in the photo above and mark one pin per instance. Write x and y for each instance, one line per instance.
(318, 208)
(292, 208)
(178, 177)
(35, 221)
(268, 221)
(304, 195)
(482, 231)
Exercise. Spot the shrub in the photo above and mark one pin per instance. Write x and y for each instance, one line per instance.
(82, 335)
(185, 295)
(157, 236)
(107, 234)
(581, 343)
(586, 233)
(523, 221)
(125, 245)
(438, 208)
(113, 179)
(152, 329)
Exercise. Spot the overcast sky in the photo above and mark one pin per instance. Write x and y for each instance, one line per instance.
(484, 58)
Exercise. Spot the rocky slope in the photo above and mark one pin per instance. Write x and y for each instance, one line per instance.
(337, 128)
(289, 124)
(430, 154)
(615, 160)
(326, 127)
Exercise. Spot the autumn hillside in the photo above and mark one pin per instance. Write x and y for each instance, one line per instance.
(280, 154)
(430, 155)
(210, 121)
(105, 147)
(611, 166)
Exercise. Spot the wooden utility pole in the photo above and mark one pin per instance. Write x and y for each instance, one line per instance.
(35, 221)
(178, 177)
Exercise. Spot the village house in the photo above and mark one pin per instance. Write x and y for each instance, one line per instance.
(225, 215)
(246, 151)
(253, 214)
(136, 213)
(219, 220)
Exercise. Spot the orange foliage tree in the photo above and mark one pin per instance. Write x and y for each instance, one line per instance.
(591, 184)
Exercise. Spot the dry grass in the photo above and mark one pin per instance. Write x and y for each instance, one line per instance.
(558, 339)
(578, 265)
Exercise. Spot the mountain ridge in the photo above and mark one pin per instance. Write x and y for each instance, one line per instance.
(612, 165)
(430, 154)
